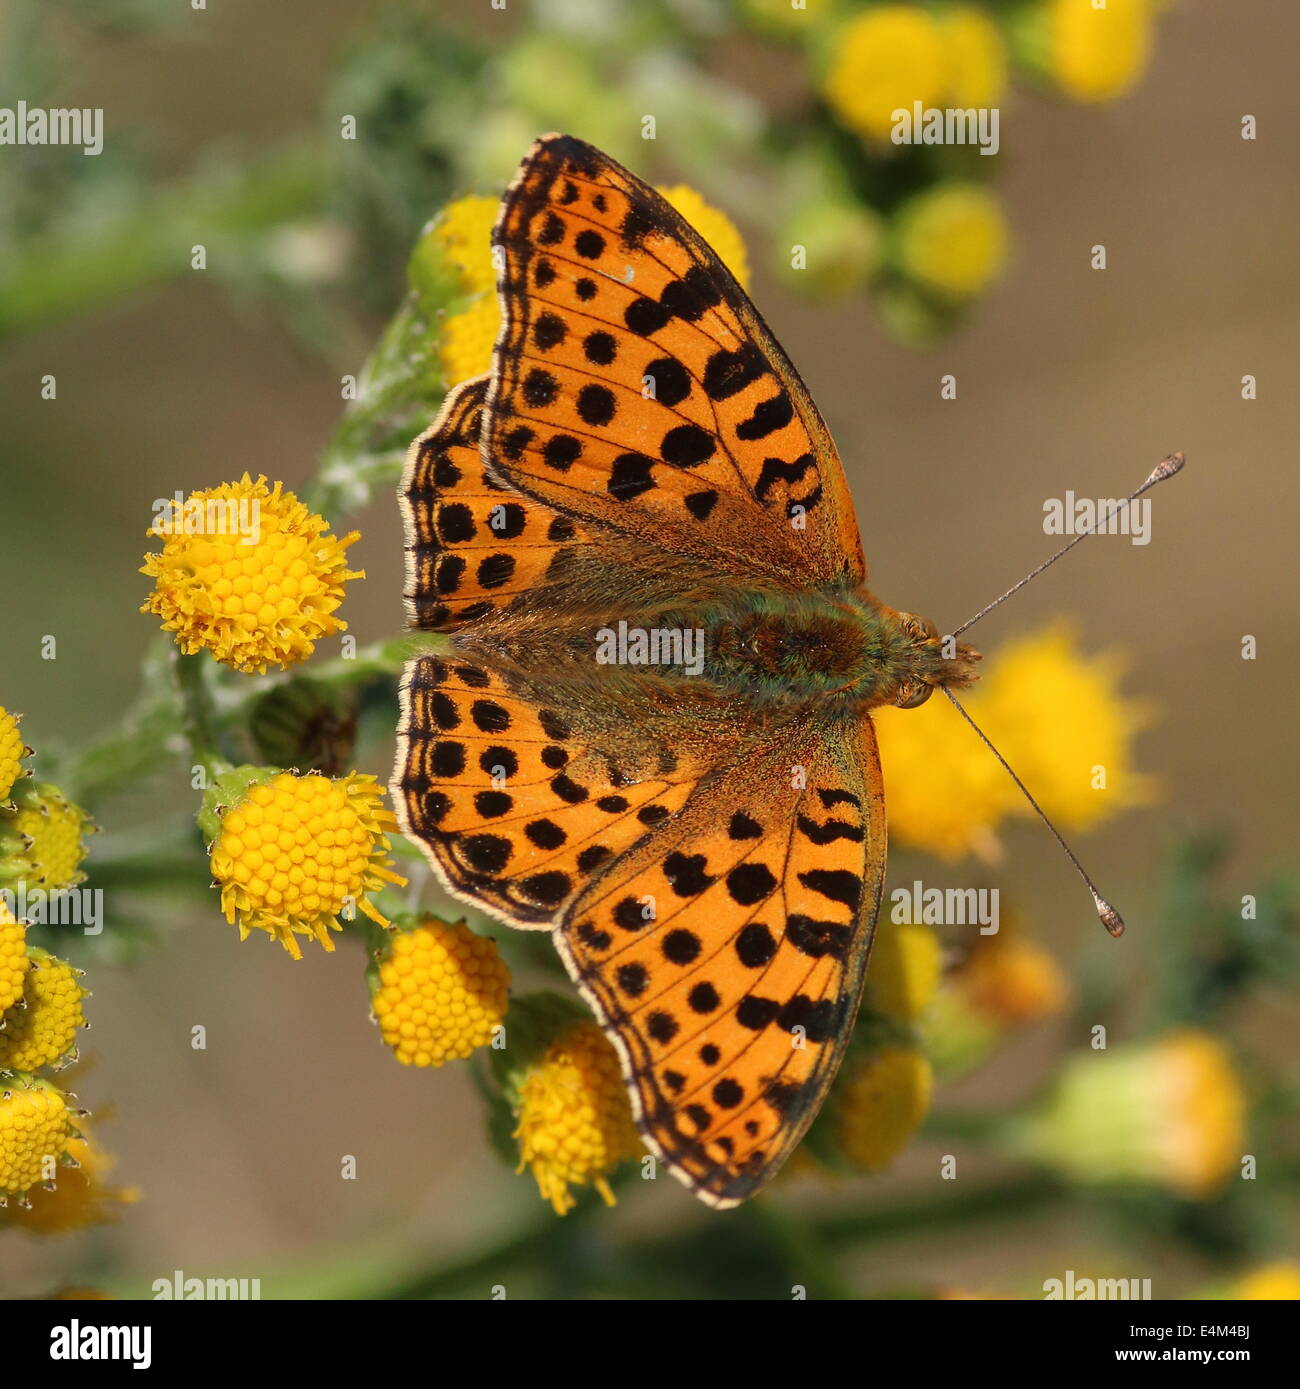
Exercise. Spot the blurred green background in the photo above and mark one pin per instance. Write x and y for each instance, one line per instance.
(222, 127)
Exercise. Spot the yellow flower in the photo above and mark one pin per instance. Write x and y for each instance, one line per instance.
(1011, 980)
(943, 790)
(12, 752)
(441, 993)
(42, 1030)
(80, 1196)
(35, 1129)
(42, 845)
(977, 58)
(886, 59)
(881, 1103)
(1098, 54)
(714, 226)
(249, 574)
(906, 961)
(296, 852)
(1055, 714)
(952, 239)
(1167, 1113)
(463, 235)
(1059, 719)
(1275, 1282)
(468, 338)
(575, 1121)
(13, 957)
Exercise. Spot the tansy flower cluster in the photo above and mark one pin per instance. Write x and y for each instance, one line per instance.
(41, 1009)
(292, 854)
(1058, 717)
(249, 574)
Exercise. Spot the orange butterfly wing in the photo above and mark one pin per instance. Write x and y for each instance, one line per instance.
(726, 955)
(635, 385)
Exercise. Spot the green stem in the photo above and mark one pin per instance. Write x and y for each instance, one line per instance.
(199, 714)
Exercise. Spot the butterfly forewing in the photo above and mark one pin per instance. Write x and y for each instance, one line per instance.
(635, 384)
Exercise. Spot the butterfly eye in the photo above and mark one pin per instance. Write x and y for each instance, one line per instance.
(914, 695)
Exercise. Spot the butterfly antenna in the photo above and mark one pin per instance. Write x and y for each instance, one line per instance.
(1110, 918)
(1165, 468)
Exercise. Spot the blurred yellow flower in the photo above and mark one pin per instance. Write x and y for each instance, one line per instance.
(1275, 1282)
(1011, 980)
(976, 58)
(12, 752)
(1098, 54)
(714, 226)
(296, 852)
(42, 1030)
(575, 1120)
(80, 1196)
(35, 1129)
(468, 338)
(1059, 718)
(952, 239)
(943, 791)
(13, 957)
(906, 962)
(880, 1104)
(42, 844)
(886, 59)
(1169, 1113)
(464, 235)
(440, 994)
(249, 574)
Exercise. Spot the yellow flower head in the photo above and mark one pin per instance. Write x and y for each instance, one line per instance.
(1098, 54)
(880, 1104)
(35, 1130)
(1059, 718)
(12, 752)
(886, 58)
(575, 1121)
(463, 236)
(1011, 980)
(1056, 715)
(945, 793)
(80, 1196)
(13, 957)
(249, 574)
(1166, 1113)
(1275, 1282)
(42, 844)
(952, 239)
(296, 852)
(977, 58)
(906, 962)
(714, 226)
(42, 1030)
(441, 993)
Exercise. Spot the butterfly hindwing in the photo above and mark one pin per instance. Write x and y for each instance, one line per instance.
(635, 385)
(725, 955)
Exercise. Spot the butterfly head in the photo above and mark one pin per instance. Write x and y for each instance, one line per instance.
(924, 660)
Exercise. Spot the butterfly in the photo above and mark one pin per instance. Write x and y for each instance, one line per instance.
(648, 731)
